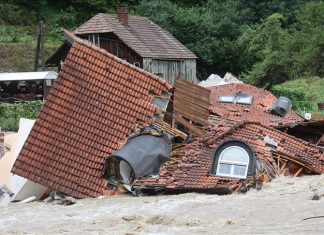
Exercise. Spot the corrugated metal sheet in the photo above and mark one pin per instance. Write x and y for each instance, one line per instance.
(191, 101)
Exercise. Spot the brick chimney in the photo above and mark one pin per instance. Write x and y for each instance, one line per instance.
(122, 14)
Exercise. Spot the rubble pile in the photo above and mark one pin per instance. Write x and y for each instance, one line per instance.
(109, 127)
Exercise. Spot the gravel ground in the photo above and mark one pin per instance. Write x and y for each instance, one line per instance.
(279, 208)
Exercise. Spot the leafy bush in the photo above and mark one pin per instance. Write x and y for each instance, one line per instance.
(16, 34)
(296, 95)
(11, 113)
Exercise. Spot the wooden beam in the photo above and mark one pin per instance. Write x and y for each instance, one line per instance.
(185, 123)
(36, 62)
(283, 167)
(298, 172)
(168, 128)
(282, 155)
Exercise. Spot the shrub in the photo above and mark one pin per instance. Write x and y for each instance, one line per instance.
(11, 113)
(296, 95)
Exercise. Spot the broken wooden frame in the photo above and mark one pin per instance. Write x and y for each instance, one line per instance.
(191, 101)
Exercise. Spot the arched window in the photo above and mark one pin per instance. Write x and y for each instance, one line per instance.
(233, 162)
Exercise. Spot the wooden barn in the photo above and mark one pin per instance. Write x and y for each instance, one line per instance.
(137, 40)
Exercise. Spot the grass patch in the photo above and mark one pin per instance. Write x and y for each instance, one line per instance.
(19, 57)
(313, 89)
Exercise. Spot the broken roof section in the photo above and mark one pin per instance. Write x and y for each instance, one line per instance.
(257, 111)
(191, 166)
(97, 101)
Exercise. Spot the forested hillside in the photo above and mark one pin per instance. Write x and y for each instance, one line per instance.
(263, 42)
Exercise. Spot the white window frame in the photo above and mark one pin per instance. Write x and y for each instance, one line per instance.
(237, 99)
(233, 164)
(94, 38)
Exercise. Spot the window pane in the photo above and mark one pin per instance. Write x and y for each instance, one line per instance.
(227, 99)
(244, 100)
(236, 154)
(224, 168)
(239, 170)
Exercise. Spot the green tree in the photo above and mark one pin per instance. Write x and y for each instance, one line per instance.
(306, 43)
(275, 54)
(266, 47)
(209, 30)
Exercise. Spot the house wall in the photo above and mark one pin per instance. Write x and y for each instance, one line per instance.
(171, 69)
(168, 69)
(115, 46)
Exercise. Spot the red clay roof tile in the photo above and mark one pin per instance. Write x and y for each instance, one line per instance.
(257, 112)
(190, 165)
(88, 114)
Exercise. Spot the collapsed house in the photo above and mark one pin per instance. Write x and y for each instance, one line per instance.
(239, 148)
(109, 127)
(235, 156)
(97, 102)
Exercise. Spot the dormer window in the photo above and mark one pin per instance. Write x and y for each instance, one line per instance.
(95, 39)
(234, 159)
(239, 98)
(233, 162)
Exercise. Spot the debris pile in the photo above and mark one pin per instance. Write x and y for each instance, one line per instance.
(109, 127)
(216, 80)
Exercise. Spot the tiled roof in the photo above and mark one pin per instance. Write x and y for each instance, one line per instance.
(257, 112)
(142, 35)
(190, 165)
(97, 101)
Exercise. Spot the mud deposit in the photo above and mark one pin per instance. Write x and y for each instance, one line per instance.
(279, 208)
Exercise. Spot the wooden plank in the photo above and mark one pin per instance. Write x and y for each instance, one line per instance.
(191, 101)
(192, 116)
(298, 172)
(167, 128)
(282, 155)
(192, 95)
(197, 100)
(283, 167)
(191, 127)
(187, 105)
(184, 83)
(36, 62)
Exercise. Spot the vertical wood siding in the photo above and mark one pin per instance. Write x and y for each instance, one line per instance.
(115, 46)
(171, 69)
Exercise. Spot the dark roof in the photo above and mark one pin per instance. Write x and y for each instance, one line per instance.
(142, 35)
(257, 112)
(97, 101)
(190, 165)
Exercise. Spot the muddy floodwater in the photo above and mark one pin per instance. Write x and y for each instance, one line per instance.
(284, 206)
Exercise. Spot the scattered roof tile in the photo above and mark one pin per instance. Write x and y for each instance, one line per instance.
(142, 35)
(190, 165)
(96, 103)
(257, 112)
